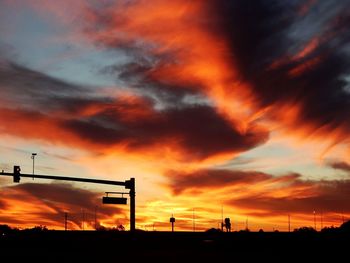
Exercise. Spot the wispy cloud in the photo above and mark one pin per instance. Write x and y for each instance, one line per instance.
(47, 203)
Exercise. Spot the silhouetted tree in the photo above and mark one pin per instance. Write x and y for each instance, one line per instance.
(120, 228)
(345, 227)
(331, 229)
(213, 230)
(101, 228)
(5, 229)
(228, 224)
(305, 229)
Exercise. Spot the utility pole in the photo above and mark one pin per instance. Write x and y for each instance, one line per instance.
(288, 222)
(83, 220)
(65, 221)
(194, 224)
(222, 218)
(95, 217)
(321, 221)
(315, 220)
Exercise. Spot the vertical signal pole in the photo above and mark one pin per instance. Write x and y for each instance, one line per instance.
(131, 186)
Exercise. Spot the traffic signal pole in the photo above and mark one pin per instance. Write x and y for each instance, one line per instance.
(128, 184)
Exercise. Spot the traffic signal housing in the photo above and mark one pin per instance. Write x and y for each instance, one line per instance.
(16, 174)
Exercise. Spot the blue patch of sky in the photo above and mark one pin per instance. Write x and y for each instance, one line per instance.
(314, 23)
(37, 45)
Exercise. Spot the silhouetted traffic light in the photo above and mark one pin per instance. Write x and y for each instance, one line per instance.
(16, 174)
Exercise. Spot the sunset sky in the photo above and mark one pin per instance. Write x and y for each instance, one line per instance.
(240, 107)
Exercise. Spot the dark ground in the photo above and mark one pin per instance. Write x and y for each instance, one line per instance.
(93, 246)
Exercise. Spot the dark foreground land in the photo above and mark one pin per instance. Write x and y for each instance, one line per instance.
(94, 246)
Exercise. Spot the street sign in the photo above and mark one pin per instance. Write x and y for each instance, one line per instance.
(114, 200)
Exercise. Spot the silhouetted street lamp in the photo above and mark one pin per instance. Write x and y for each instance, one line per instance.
(33, 158)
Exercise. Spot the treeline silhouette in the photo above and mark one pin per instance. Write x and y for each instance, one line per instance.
(345, 227)
(38, 244)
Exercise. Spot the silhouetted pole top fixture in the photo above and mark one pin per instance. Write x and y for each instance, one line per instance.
(172, 221)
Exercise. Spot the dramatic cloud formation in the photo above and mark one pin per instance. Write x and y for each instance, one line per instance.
(326, 197)
(104, 122)
(194, 87)
(213, 179)
(264, 192)
(49, 202)
(303, 70)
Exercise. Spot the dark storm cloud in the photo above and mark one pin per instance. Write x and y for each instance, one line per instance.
(198, 130)
(263, 32)
(341, 166)
(15, 78)
(140, 74)
(35, 99)
(213, 179)
(22, 87)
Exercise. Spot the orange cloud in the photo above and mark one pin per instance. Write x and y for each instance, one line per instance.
(185, 53)
(261, 196)
(46, 204)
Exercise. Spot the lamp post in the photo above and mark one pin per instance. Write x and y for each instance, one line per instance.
(33, 158)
